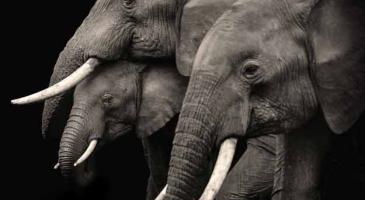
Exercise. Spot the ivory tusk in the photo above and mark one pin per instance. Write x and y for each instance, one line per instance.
(162, 194)
(87, 153)
(56, 166)
(221, 169)
(62, 86)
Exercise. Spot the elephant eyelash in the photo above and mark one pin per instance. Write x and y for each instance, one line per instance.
(129, 3)
(250, 71)
(241, 57)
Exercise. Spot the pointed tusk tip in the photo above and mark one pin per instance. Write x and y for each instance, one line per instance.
(62, 86)
(75, 165)
(15, 102)
(56, 166)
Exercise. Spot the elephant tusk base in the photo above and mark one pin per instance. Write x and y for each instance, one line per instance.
(162, 194)
(87, 153)
(224, 161)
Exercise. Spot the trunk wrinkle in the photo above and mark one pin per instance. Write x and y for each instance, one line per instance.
(71, 128)
(72, 145)
(188, 120)
(178, 189)
(69, 145)
(189, 140)
(185, 162)
(70, 121)
(184, 148)
(194, 133)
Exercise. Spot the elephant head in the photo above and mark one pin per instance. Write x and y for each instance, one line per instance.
(116, 99)
(267, 67)
(197, 18)
(133, 29)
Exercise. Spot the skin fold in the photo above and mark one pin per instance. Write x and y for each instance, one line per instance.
(271, 68)
(119, 98)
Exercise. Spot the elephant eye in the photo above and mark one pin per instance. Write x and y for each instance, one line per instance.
(128, 3)
(250, 70)
(107, 99)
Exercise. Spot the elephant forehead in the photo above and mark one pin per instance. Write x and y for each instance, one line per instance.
(255, 16)
(167, 5)
(110, 76)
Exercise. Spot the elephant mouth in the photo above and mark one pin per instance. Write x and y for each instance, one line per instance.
(85, 170)
(115, 130)
(111, 135)
(112, 132)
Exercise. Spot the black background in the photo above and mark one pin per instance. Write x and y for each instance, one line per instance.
(34, 34)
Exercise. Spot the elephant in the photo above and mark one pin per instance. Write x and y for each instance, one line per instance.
(133, 30)
(119, 98)
(114, 29)
(292, 70)
(197, 19)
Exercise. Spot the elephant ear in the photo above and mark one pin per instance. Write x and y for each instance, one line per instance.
(198, 17)
(162, 93)
(337, 32)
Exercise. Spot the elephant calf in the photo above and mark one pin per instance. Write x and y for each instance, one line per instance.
(119, 98)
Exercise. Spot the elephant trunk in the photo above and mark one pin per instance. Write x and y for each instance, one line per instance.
(193, 142)
(73, 143)
(55, 109)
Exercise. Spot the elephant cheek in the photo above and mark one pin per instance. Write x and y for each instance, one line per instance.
(234, 122)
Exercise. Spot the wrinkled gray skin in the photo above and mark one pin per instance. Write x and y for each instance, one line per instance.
(271, 67)
(197, 19)
(114, 29)
(120, 98)
(143, 30)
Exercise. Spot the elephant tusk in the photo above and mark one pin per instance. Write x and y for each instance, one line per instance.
(220, 170)
(56, 166)
(62, 86)
(87, 153)
(162, 194)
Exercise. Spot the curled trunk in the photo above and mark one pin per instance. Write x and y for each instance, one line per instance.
(73, 143)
